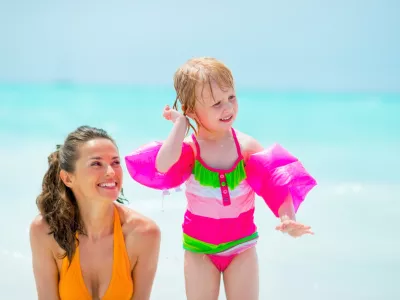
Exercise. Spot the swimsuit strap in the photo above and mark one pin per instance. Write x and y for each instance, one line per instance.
(234, 138)
(72, 284)
(197, 145)
(239, 152)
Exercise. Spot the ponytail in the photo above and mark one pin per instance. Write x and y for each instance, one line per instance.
(58, 206)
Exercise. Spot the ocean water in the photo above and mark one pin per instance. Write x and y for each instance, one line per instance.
(350, 142)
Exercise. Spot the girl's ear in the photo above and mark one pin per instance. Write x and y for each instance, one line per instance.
(192, 116)
(189, 114)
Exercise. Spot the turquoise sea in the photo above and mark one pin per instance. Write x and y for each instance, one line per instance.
(350, 142)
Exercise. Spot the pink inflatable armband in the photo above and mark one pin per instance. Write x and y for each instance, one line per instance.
(273, 173)
(141, 165)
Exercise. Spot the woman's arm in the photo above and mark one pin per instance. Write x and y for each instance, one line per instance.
(143, 274)
(44, 265)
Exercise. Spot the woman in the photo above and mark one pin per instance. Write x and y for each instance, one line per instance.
(84, 244)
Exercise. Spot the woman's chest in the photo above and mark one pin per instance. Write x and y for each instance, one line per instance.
(96, 262)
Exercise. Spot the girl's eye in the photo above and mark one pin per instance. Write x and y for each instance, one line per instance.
(95, 163)
(117, 162)
(217, 104)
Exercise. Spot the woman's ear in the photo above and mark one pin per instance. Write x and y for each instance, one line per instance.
(66, 178)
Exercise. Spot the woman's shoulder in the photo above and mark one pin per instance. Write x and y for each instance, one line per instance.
(40, 234)
(140, 232)
(135, 224)
(39, 229)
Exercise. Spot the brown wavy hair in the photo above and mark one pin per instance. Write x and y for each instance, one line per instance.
(56, 202)
(198, 71)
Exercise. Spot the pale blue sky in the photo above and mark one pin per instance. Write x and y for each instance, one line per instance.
(310, 44)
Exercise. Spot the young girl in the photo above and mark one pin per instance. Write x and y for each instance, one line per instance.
(223, 170)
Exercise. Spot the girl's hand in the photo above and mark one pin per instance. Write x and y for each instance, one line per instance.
(171, 114)
(293, 228)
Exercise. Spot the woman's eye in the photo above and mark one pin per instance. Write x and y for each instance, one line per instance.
(96, 163)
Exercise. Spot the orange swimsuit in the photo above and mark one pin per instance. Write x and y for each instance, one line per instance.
(72, 286)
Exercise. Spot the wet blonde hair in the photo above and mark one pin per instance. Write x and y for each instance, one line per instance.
(198, 71)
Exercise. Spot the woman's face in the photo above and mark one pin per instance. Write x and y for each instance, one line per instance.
(98, 173)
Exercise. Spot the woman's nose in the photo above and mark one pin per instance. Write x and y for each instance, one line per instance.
(110, 171)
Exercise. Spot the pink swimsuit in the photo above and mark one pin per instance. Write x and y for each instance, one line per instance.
(219, 218)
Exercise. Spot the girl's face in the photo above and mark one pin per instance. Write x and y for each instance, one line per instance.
(215, 108)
